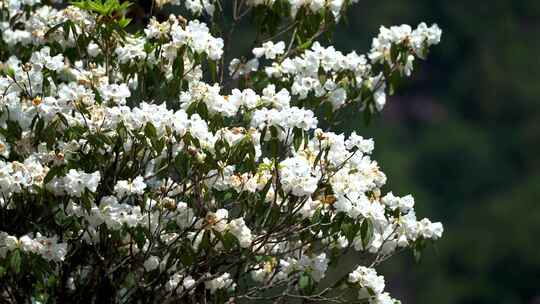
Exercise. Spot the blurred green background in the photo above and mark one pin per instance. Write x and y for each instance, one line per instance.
(463, 136)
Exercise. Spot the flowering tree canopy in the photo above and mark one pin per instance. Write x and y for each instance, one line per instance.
(141, 164)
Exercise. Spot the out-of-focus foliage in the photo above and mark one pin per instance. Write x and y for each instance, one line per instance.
(471, 122)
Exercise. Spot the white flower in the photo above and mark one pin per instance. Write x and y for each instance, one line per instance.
(242, 232)
(269, 50)
(197, 6)
(197, 36)
(116, 93)
(218, 219)
(221, 282)
(337, 97)
(43, 58)
(356, 141)
(93, 49)
(189, 282)
(11, 242)
(185, 215)
(75, 182)
(384, 298)
(367, 278)
(430, 230)
(391, 201)
(297, 176)
(287, 118)
(173, 283)
(115, 215)
(132, 50)
(238, 68)
(280, 100)
(124, 187)
(247, 98)
(151, 263)
(309, 208)
(315, 265)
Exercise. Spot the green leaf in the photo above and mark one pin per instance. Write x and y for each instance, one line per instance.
(213, 69)
(14, 130)
(178, 64)
(150, 131)
(367, 116)
(297, 138)
(86, 201)
(130, 280)
(229, 241)
(394, 52)
(139, 237)
(182, 164)
(66, 28)
(187, 256)
(124, 22)
(274, 147)
(366, 232)
(350, 230)
(205, 242)
(304, 281)
(306, 284)
(318, 158)
(10, 72)
(15, 261)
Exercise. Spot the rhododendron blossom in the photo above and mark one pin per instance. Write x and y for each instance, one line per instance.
(141, 163)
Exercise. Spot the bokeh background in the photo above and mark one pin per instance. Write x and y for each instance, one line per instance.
(463, 136)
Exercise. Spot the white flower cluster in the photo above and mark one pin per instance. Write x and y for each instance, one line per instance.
(228, 105)
(178, 283)
(117, 94)
(238, 68)
(197, 7)
(197, 37)
(31, 29)
(269, 50)
(219, 222)
(47, 247)
(16, 176)
(110, 212)
(124, 187)
(313, 6)
(417, 40)
(194, 35)
(241, 231)
(221, 282)
(285, 119)
(297, 176)
(365, 146)
(76, 182)
(304, 70)
(372, 285)
(131, 51)
(129, 158)
(315, 266)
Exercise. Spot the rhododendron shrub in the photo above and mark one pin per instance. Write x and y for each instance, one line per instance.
(139, 163)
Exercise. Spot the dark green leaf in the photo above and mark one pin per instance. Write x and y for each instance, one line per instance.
(366, 232)
(15, 261)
